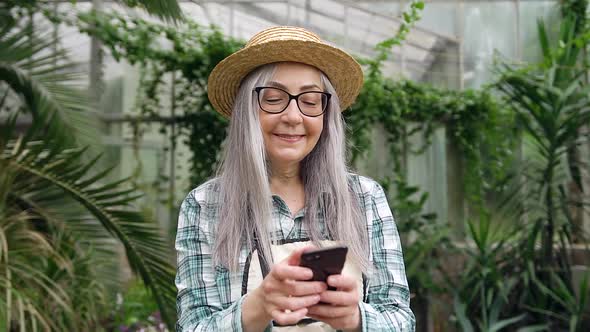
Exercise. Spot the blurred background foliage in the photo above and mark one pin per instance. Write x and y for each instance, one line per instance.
(66, 220)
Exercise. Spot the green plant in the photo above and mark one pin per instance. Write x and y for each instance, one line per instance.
(136, 307)
(194, 53)
(478, 125)
(513, 277)
(44, 177)
(482, 293)
(59, 216)
(168, 10)
(43, 277)
(491, 315)
(409, 18)
(575, 314)
(427, 237)
(552, 105)
(576, 10)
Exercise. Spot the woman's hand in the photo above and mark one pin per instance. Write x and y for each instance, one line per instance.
(284, 295)
(340, 308)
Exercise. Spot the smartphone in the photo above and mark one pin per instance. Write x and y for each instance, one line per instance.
(324, 262)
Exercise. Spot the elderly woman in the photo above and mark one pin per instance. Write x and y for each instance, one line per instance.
(282, 187)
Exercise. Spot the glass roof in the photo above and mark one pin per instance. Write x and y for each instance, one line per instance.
(354, 26)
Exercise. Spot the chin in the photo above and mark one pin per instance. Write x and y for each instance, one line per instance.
(287, 158)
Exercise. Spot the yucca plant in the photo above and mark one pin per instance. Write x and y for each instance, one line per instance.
(575, 316)
(517, 273)
(552, 104)
(490, 319)
(61, 219)
(482, 293)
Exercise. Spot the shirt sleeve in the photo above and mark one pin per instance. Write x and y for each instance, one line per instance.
(387, 304)
(198, 301)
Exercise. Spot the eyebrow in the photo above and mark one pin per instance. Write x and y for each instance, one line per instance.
(304, 87)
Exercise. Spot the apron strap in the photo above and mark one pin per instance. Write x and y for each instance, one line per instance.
(264, 267)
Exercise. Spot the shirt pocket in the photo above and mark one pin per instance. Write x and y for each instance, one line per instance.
(223, 282)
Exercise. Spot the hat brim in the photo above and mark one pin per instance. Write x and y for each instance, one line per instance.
(344, 72)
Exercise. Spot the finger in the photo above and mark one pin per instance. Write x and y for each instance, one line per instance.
(342, 282)
(295, 257)
(284, 272)
(295, 303)
(330, 311)
(301, 288)
(287, 318)
(340, 298)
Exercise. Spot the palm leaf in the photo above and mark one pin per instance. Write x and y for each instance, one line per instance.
(46, 84)
(43, 176)
(166, 9)
(148, 253)
(20, 278)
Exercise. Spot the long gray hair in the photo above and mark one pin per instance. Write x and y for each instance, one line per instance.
(245, 195)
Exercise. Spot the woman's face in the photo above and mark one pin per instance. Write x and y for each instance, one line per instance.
(289, 136)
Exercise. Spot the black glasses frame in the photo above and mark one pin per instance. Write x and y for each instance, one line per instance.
(291, 97)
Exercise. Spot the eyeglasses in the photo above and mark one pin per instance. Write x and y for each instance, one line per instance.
(275, 100)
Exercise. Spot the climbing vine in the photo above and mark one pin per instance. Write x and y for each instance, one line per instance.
(188, 52)
(477, 124)
(474, 118)
(185, 55)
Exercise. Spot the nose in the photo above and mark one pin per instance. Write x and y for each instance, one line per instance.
(292, 113)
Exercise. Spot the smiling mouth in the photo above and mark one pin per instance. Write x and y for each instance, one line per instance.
(290, 138)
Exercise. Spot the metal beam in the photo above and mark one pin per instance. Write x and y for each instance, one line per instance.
(349, 3)
(272, 17)
(268, 15)
(411, 64)
(354, 5)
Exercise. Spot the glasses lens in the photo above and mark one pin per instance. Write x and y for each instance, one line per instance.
(273, 100)
(313, 103)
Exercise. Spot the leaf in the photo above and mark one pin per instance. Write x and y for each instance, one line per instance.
(499, 325)
(544, 42)
(460, 312)
(166, 9)
(534, 328)
(46, 91)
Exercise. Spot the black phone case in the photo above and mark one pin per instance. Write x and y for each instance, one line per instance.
(324, 262)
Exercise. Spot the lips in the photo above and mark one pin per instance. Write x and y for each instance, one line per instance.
(289, 138)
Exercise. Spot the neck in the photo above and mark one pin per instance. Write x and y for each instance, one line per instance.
(285, 175)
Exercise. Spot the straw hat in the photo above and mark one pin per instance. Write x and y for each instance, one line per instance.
(284, 44)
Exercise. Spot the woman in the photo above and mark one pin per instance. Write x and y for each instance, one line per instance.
(282, 189)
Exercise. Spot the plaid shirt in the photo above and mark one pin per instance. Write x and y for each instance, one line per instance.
(209, 297)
